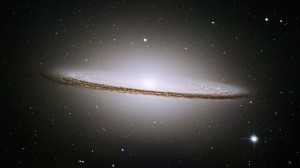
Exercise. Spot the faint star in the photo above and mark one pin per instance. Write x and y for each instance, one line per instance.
(266, 19)
(213, 22)
(81, 161)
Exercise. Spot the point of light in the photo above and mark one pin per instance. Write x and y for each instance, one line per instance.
(254, 138)
(266, 19)
(145, 39)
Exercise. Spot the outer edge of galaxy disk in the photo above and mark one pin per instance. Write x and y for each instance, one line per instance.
(61, 78)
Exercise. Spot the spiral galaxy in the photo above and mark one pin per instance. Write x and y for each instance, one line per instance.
(135, 84)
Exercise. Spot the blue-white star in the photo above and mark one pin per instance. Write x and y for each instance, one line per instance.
(254, 138)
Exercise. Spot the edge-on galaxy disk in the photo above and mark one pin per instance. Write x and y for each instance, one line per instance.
(126, 83)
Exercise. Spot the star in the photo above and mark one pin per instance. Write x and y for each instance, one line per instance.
(81, 161)
(254, 138)
(266, 19)
(145, 39)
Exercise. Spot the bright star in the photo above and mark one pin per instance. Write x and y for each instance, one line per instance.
(254, 138)
(145, 40)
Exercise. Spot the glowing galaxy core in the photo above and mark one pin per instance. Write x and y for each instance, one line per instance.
(139, 84)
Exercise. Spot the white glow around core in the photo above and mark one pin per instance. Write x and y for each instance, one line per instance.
(149, 84)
